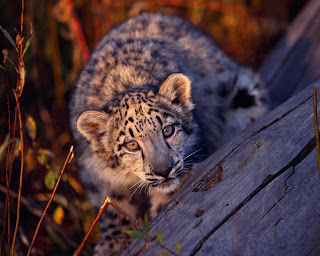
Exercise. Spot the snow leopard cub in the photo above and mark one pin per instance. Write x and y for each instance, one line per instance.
(153, 92)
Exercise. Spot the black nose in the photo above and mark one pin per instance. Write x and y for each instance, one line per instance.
(163, 173)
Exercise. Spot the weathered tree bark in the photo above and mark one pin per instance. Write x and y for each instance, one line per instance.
(295, 61)
(260, 193)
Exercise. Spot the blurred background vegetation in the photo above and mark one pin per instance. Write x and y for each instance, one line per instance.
(64, 34)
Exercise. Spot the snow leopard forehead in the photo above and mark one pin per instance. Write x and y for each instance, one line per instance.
(140, 114)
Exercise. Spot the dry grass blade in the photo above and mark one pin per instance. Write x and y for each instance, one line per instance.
(316, 125)
(70, 154)
(5, 32)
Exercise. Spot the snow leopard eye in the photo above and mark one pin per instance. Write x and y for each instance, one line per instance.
(132, 145)
(168, 131)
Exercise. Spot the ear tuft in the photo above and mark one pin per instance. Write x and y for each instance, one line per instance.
(91, 123)
(177, 88)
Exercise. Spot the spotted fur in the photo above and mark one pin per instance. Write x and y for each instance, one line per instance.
(154, 91)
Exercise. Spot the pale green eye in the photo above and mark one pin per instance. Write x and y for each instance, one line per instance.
(132, 145)
(168, 131)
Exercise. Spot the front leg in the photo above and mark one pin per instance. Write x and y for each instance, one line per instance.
(157, 202)
(112, 239)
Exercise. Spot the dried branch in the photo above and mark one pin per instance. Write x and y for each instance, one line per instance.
(7, 164)
(143, 248)
(24, 200)
(21, 20)
(102, 209)
(37, 212)
(8, 176)
(104, 206)
(316, 125)
(17, 93)
(126, 215)
(147, 239)
(68, 159)
(21, 171)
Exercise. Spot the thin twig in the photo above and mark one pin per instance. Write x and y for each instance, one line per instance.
(70, 154)
(8, 176)
(124, 237)
(107, 201)
(24, 200)
(316, 125)
(21, 172)
(104, 206)
(21, 21)
(102, 209)
(126, 215)
(143, 248)
(11, 157)
(147, 240)
(17, 94)
(35, 210)
(150, 239)
(168, 250)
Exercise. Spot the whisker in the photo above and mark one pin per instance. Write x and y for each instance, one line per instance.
(136, 189)
(126, 186)
(128, 180)
(141, 187)
(192, 153)
(183, 170)
(189, 166)
(135, 184)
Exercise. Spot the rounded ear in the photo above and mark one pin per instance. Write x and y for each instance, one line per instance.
(177, 88)
(91, 124)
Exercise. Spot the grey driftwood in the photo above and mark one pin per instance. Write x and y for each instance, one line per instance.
(260, 193)
(295, 62)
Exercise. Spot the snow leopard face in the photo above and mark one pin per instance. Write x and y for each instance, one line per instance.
(144, 136)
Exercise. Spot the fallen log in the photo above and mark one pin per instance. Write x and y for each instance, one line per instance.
(294, 63)
(257, 195)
